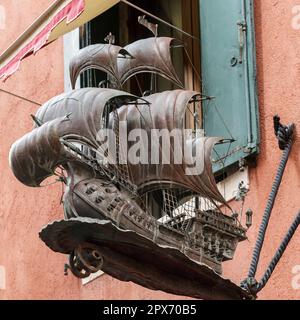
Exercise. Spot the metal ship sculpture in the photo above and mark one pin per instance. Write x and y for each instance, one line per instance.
(148, 223)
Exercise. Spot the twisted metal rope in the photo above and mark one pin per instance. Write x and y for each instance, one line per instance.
(278, 254)
(284, 135)
(268, 210)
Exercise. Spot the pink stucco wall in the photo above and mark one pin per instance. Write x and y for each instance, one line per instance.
(35, 272)
(31, 270)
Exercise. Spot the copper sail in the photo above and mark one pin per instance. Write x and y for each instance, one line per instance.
(35, 156)
(99, 56)
(86, 117)
(167, 112)
(148, 55)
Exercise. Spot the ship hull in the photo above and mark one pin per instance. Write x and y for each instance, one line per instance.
(134, 246)
(128, 256)
(202, 242)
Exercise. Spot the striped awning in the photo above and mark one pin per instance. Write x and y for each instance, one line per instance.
(60, 18)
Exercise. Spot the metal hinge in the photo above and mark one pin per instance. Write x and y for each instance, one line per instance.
(242, 29)
(249, 148)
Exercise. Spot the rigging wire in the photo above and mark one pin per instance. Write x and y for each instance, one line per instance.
(139, 85)
(21, 97)
(222, 159)
(223, 162)
(221, 118)
(159, 19)
(203, 86)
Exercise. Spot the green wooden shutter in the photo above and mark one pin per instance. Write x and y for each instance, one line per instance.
(229, 75)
